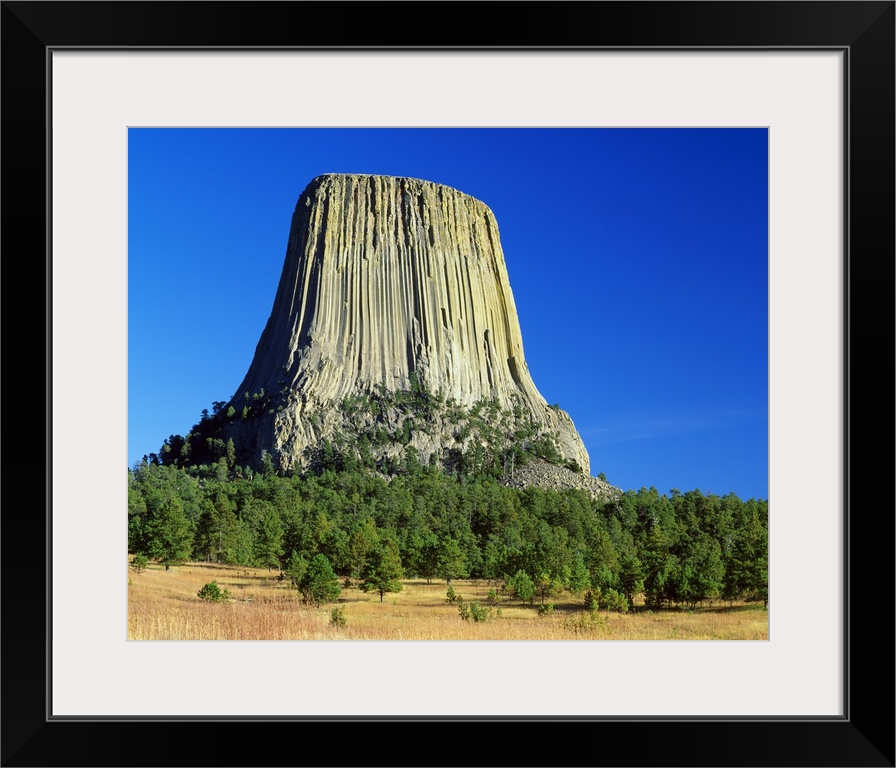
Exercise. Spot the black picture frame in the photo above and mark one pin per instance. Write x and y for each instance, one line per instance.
(864, 736)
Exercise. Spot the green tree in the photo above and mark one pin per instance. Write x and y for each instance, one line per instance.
(362, 541)
(702, 573)
(631, 576)
(294, 571)
(216, 532)
(269, 539)
(522, 586)
(136, 534)
(547, 584)
(451, 561)
(212, 593)
(169, 533)
(136, 514)
(611, 600)
(319, 584)
(661, 566)
(423, 547)
(220, 471)
(382, 569)
(244, 546)
(747, 569)
(267, 464)
(579, 579)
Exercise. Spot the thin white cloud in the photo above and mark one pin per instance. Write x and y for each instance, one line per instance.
(641, 426)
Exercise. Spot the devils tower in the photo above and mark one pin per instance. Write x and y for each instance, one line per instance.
(393, 327)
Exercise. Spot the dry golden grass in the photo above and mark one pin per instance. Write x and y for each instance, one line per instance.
(162, 605)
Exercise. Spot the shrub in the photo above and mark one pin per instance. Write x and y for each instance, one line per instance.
(612, 600)
(451, 596)
(139, 562)
(480, 612)
(586, 623)
(337, 617)
(474, 612)
(212, 593)
(545, 609)
(607, 600)
(592, 599)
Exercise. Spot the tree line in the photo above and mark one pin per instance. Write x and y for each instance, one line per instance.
(675, 549)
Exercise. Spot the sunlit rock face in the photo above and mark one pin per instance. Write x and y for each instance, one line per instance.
(390, 285)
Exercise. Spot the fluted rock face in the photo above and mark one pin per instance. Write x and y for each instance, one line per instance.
(389, 284)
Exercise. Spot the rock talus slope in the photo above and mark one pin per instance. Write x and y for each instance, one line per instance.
(389, 284)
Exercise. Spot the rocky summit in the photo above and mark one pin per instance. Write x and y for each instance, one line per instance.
(394, 328)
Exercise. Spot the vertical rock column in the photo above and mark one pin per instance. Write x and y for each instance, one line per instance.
(386, 278)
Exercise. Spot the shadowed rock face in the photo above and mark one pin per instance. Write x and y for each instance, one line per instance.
(389, 284)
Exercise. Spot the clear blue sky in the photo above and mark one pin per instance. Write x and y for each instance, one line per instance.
(638, 261)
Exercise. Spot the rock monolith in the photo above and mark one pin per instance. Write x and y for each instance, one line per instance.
(393, 326)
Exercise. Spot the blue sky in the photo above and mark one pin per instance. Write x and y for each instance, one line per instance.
(638, 260)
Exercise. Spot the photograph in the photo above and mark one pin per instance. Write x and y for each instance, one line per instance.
(504, 384)
(441, 367)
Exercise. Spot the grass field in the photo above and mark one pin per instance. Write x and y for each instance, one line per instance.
(163, 605)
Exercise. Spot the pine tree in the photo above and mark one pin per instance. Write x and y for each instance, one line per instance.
(364, 538)
(216, 534)
(522, 586)
(579, 579)
(295, 570)
(319, 584)
(451, 563)
(382, 569)
(169, 533)
(269, 539)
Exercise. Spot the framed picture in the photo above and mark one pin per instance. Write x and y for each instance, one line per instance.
(818, 75)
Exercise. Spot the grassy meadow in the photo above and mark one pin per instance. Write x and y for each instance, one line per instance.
(163, 605)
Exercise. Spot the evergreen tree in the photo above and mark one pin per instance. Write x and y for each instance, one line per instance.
(216, 534)
(522, 586)
(295, 570)
(579, 579)
(169, 535)
(705, 561)
(680, 548)
(269, 539)
(136, 514)
(423, 549)
(362, 541)
(748, 564)
(136, 535)
(631, 575)
(382, 569)
(319, 584)
(547, 584)
(451, 561)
